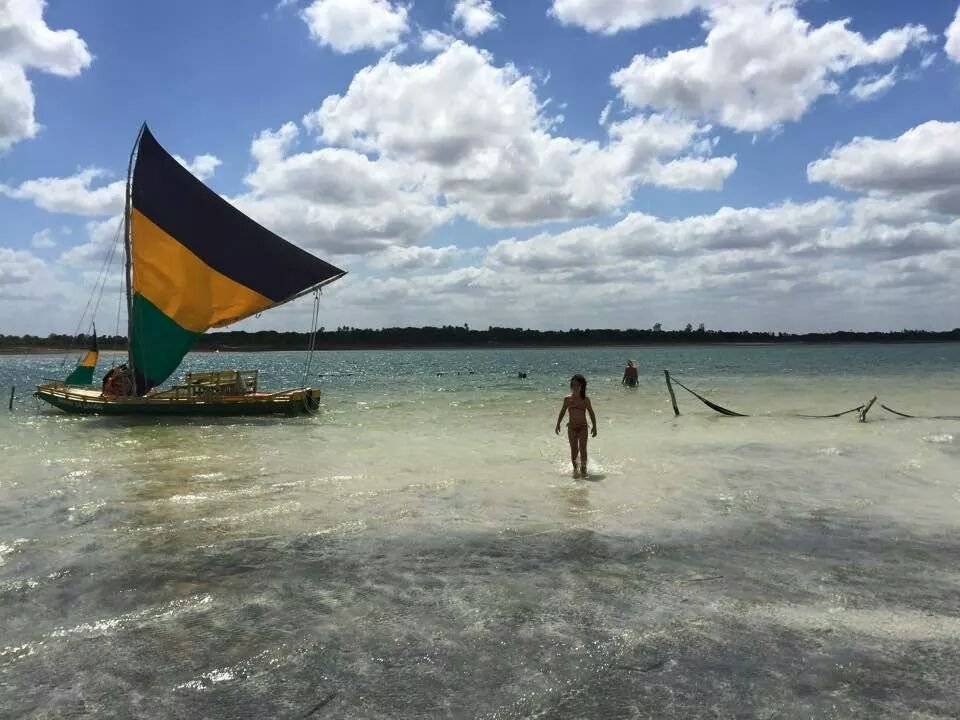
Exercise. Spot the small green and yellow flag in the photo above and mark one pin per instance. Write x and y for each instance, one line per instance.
(83, 373)
(197, 262)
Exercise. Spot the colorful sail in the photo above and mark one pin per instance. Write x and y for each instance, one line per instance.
(83, 373)
(197, 262)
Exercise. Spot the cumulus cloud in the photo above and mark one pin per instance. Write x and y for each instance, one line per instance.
(476, 135)
(43, 240)
(350, 25)
(102, 237)
(639, 236)
(769, 257)
(435, 41)
(475, 17)
(203, 166)
(761, 65)
(18, 267)
(335, 198)
(73, 195)
(415, 258)
(79, 194)
(816, 265)
(874, 86)
(923, 159)
(952, 46)
(27, 43)
(34, 293)
(612, 16)
(407, 147)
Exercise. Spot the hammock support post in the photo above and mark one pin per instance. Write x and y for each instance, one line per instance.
(866, 409)
(673, 398)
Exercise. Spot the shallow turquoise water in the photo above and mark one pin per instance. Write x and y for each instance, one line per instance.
(418, 549)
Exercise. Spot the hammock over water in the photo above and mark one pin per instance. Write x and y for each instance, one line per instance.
(862, 409)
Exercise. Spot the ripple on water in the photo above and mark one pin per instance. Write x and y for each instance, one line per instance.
(85, 513)
(108, 626)
(265, 661)
(189, 499)
(150, 614)
(938, 439)
(9, 548)
(210, 476)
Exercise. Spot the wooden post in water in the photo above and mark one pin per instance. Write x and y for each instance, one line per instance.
(866, 409)
(10, 406)
(673, 398)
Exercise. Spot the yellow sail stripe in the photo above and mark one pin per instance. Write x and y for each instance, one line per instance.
(182, 286)
(90, 359)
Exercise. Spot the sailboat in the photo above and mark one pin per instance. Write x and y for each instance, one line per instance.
(192, 262)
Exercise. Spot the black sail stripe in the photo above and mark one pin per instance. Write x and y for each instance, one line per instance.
(216, 232)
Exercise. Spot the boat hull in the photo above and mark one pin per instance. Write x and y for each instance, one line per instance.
(84, 401)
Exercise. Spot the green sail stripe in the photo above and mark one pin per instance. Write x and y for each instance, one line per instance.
(80, 376)
(158, 344)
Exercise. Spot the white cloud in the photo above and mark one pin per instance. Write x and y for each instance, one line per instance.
(409, 147)
(605, 113)
(612, 16)
(477, 136)
(435, 41)
(203, 166)
(72, 195)
(34, 293)
(415, 258)
(692, 173)
(27, 43)
(102, 235)
(351, 25)
(76, 194)
(334, 198)
(475, 17)
(923, 159)
(43, 240)
(815, 265)
(18, 267)
(819, 265)
(874, 86)
(761, 65)
(644, 237)
(952, 46)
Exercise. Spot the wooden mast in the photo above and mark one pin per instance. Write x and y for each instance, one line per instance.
(128, 256)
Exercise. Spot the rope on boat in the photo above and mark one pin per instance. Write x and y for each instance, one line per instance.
(99, 286)
(862, 409)
(311, 347)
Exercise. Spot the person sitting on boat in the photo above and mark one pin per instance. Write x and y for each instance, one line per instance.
(630, 374)
(118, 381)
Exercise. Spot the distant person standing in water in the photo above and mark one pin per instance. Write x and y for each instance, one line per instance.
(578, 405)
(630, 374)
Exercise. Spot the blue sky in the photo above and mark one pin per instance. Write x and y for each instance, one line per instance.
(211, 77)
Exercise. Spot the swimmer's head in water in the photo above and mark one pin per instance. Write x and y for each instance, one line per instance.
(578, 384)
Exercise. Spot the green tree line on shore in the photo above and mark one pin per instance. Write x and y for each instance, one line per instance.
(463, 336)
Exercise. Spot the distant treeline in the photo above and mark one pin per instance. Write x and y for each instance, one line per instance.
(344, 338)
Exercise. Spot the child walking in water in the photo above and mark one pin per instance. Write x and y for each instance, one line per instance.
(578, 405)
